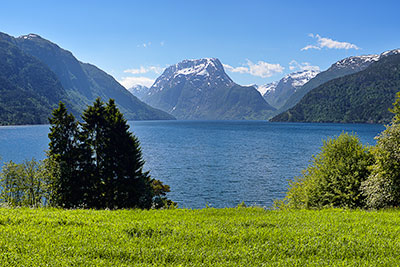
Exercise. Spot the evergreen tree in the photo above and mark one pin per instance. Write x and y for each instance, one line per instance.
(66, 190)
(118, 176)
(100, 161)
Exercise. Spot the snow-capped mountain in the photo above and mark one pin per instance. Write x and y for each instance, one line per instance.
(140, 91)
(200, 89)
(361, 62)
(206, 72)
(277, 93)
(339, 69)
(356, 62)
(269, 87)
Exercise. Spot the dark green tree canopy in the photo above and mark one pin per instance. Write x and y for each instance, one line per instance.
(101, 161)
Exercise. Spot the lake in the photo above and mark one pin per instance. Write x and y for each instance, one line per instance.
(214, 163)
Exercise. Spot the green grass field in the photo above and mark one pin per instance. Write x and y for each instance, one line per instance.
(207, 237)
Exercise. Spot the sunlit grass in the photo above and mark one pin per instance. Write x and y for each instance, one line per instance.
(207, 237)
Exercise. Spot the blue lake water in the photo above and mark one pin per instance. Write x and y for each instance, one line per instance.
(218, 163)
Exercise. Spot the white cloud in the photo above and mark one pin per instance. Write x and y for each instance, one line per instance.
(237, 69)
(162, 43)
(129, 82)
(323, 42)
(142, 70)
(294, 65)
(260, 69)
(311, 47)
(144, 45)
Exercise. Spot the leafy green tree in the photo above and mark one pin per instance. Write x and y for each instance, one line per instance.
(382, 188)
(334, 177)
(28, 183)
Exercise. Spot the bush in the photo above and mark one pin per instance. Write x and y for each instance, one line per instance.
(334, 177)
(28, 183)
(382, 188)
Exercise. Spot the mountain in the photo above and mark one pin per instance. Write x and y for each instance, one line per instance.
(277, 93)
(266, 88)
(200, 89)
(83, 82)
(140, 91)
(360, 97)
(339, 69)
(29, 90)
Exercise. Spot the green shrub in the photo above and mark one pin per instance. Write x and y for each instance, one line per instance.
(333, 178)
(382, 188)
(28, 183)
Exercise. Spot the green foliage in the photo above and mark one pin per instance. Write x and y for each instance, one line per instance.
(383, 186)
(101, 162)
(206, 237)
(334, 177)
(27, 184)
(362, 97)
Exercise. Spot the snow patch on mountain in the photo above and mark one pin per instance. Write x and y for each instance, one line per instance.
(269, 87)
(298, 79)
(361, 62)
(205, 71)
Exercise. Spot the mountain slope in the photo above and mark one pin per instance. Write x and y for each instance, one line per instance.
(29, 90)
(140, 91)
(200, 89)
(276, 94)
(339, 69)
(84, 82)
(361, 97)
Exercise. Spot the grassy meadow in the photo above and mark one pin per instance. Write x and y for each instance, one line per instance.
(206, 237)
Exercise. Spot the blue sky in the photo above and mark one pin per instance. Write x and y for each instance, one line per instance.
(258, 41)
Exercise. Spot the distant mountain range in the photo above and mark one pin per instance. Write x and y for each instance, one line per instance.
(339, 69)
(200, 89)
(363, 96)
(41, 63)
(277, 93)
(35, 74)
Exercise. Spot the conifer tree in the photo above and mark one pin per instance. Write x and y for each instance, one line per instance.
(63, 150)
(101, 164)
(118, 176)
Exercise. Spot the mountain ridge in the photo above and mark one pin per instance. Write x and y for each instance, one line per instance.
(338, 69)
(200, 89)
(361, 97)
(84, 82)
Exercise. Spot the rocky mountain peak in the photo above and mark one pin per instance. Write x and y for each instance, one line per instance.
(205, 72)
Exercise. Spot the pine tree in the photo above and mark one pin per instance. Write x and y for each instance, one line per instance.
(63, 150)
(118, 176)
(101, 164)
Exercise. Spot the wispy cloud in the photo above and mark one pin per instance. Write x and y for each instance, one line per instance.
(142, 70)
(323, 42)
(260, 69)
(144, 45)
(294, 65)
(129, 82)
